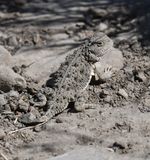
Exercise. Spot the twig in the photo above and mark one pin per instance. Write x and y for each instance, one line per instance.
(2, 155)
(30, 127)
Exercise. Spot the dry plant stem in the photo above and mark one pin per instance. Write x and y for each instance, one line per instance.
(30, 127)
(4, 157)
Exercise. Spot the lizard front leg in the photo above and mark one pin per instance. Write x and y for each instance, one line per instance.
(102, 71)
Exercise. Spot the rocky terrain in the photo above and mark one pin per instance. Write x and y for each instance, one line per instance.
(35, 38)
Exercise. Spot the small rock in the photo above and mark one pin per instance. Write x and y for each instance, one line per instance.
(102, 27)
(10, 79)
(123, 93)
(23, 106)
(12, 41)
(33, 88)
(147, 102)
(140, 76)
(17, 69)
(13, 106)
(28, 118)
(38, 128)
(5, 56)
(40, 100)
(59, 120)
(7, 108)
(108, 99)
(98, 12)
(35, 112)
(136, 47)
(2, 134)
(13, 94)
(103, 94)
(3, 100)
(128, 70)
(3, 35)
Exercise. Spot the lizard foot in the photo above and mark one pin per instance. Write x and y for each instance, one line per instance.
(80, 102)
(43, 119)
(107, 73)
(103, 72)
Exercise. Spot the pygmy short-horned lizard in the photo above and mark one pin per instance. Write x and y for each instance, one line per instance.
(74, 75)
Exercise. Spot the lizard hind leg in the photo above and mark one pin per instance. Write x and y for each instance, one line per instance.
(80, 103)
(50, 113)
(79, 106)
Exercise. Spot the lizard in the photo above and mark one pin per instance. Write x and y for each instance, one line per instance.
(70, 81)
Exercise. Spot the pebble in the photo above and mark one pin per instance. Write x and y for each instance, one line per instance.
(12, 41)
(102, 27)
(7, 108)
(3, 100)
(10, 79)
(13, 94)
(123, 93)
(98, 12)
(128, 70)
(5, 56)
(23, 106)
(141, 76)
(2, 134)
(13, 106)
(27, 118)
(108, 99)
(147, 102)
(103, 94)
(59, 120)
(37, 128)
(35, 112)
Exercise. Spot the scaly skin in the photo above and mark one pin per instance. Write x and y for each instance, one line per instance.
(70, 81)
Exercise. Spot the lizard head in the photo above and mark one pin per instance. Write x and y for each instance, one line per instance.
(99, 44)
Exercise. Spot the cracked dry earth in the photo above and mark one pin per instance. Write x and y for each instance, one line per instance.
(119, 125)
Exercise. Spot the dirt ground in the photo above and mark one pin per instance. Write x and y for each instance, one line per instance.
(120, 123)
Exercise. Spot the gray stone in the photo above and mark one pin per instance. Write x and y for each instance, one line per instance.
(102, 27)
(5, 56)
(2, 134)
(23, 106)
(13, 94)
(12, 40)
(123, 93)
(141, 76)
(10, 79)
(28, 118)
(3, 100)
(147, 102)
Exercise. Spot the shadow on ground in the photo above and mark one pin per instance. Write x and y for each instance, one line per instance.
(48, 13)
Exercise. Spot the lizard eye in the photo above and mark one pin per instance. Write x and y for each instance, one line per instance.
(91, 51)
(99, 44)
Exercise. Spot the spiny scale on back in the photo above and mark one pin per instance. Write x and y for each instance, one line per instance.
(74, 75)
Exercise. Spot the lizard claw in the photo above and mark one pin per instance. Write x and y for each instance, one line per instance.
(107, 73)
(43, 119)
